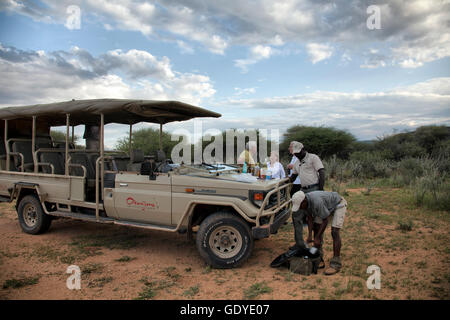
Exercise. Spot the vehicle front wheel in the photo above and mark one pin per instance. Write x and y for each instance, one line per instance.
(224, 240)
(32, 218)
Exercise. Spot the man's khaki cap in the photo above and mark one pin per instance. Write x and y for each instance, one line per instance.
(297, 199)
(296, 146)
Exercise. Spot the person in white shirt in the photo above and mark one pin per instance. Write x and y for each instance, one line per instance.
(275, 166)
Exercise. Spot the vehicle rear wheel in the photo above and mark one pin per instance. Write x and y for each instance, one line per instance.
(32, 218)
(224, 240)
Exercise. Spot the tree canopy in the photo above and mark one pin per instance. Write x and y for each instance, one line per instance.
(147, 140)
(323, 141)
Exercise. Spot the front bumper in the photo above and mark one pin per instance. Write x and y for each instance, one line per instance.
(266, 230)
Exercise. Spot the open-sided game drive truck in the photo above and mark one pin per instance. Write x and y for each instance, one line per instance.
(49, 179)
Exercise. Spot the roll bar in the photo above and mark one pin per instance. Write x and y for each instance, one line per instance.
(99, 167)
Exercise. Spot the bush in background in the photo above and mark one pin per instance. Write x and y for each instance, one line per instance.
(323, 141)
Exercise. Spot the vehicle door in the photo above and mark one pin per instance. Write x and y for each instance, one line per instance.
(139, 199)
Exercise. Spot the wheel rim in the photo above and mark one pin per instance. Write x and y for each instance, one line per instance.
(225, 242)
(30, 215)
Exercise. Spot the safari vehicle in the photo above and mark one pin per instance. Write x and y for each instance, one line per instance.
(53, 179)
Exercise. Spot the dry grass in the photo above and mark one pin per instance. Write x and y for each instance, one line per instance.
(382, 227)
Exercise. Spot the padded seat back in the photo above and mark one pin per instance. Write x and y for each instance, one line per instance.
(160, 156)
(2, 147)
(121, 163)
(54, 158)
(23, 147)
(137, 157)
(43, 142)
(62, 145)
(83, 159)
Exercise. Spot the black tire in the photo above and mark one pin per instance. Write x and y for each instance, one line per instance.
(32, 218)
(224, 240)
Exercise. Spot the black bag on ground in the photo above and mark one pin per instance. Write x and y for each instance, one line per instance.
(284, 257)
(304, 265)
(298, 260)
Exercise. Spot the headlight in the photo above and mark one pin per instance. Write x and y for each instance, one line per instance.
(257, 198)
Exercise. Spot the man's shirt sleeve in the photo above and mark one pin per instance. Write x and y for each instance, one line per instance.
(317, 163)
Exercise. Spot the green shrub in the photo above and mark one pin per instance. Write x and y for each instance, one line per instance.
(256, 290)
(323, 141)
(19, 283)
(405, 225)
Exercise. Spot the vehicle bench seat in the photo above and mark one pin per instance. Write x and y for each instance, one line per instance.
(137, 157)
(120, 162)
(23, 147)
(54, 158)
(82, 158)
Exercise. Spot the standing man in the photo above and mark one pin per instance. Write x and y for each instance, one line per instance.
(323, 206)
(309, 168)
(296, 184)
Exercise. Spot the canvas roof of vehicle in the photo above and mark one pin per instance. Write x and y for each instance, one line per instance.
(122, 111)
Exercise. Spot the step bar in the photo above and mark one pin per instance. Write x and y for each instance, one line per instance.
(80, 216)
(92, 218)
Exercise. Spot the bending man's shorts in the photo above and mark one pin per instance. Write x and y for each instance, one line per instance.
(338, 215)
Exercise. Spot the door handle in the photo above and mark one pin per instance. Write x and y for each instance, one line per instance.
(123, 184)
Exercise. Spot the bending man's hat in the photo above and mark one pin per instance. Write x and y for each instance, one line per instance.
(297, 199)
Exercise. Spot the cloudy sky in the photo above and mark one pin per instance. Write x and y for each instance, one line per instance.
(266, 64)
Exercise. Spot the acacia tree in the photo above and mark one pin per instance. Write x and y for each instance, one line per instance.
(61, 136)
(323, 141)
(147, 140)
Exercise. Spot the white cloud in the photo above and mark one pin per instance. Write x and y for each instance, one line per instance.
(127, 15)
(185, 48)
(416, 31)
(261, 52)
(367, 115)
(256, 54)
(277, 41)
(318, 52)
(415, 54)
(244, 91)
(59, 76)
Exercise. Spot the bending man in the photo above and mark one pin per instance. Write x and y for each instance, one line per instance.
(320, 207)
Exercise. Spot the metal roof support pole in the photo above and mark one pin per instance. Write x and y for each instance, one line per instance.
(96, 193)
(33, 144)
(160, 136)
(6, 145)
(66, 169)
(102, 153)
(130, 148)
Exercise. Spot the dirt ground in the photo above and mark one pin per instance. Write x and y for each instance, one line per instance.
(410, 245)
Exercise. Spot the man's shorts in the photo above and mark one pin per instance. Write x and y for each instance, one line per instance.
(338, 215)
